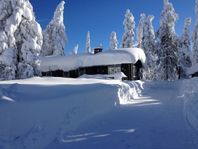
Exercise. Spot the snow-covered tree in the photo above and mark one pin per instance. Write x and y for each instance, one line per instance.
(29, 39)
(140, 29)
(184, 51)
(129, 35)
(54, 36)
(148, 45)
(195, 36)
(168, 44)
(75, 50)
(88, 43)
(21, 40)
(113, 41)
(8, 25)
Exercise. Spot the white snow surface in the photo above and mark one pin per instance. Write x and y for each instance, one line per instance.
(48, 113)
(35, 112)
(109, 57)
(190, 94)
(116, 76)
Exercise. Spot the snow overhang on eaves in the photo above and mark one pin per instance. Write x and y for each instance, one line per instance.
(109, 57)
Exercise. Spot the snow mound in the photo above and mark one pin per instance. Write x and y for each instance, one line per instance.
(190, 94)
(38, 111)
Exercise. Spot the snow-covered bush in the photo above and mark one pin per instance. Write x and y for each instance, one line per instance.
(54, 36)
(113, 41)
(129, 35)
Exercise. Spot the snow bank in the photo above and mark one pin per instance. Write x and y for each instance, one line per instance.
(110, 57)
(37, 111)
(190, 94)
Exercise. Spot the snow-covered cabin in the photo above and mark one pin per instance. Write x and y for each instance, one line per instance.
(127, 60)
(193, 71)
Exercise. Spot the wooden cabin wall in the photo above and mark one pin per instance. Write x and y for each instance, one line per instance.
(132, 71)
(195, 74)
(57, 73)
(114, 69)
(96, 70)
(127, 69)
(138, 73)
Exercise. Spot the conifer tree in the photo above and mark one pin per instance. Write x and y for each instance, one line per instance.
(184, 50)
(54, 36)
(21, 40)
(168, 44)
(75, 50)
(148, 45)
(88, 43)
(140, 29)
(195, 36)
(113, 41)
(129, 35)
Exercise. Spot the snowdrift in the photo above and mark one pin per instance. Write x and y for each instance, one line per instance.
(190, 94)
(37, 111)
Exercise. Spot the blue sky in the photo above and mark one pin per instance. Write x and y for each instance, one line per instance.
(101, 17)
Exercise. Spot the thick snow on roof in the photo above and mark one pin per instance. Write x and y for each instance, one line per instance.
(193, 69)
(110, 57)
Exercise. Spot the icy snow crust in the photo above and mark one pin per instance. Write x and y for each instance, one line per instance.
(109, 57)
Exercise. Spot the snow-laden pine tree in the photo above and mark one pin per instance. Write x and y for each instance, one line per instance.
(28, 40)
(184, 50)
(195, 36)
(129, 35)
(88, 43)
(75, 50)
(113, 41)
(54, 36)
(168, 44)
(148, 45)
(7, 42)
(140, 29)
(22, 39)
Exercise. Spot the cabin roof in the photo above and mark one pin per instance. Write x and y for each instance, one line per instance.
(108, 57)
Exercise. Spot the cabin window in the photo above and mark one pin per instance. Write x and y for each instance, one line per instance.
(114, 69)
(57, 73)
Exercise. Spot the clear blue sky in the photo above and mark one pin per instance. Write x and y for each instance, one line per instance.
(101, 17)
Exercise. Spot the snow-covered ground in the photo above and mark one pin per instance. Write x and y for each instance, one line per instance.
(35, 112)
(94, 113)
(189, 92)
